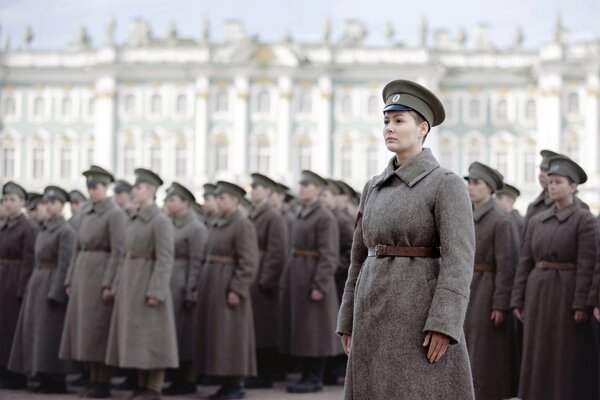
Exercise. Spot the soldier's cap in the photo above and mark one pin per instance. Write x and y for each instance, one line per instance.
(209, 189)
(564, 166)
(281, 188)
(333, 187)
(347, 189)
(143, 175)
(489, 175)
(197, 207)
(122, 186)
(33, 200)
(14, 188)
(262, 180)
(75, 196)
(96, 174)
(510, 191)
(546, 154)
(181, 191)
(404, 95)
(55, 193)
(307, 177)
(229, 188)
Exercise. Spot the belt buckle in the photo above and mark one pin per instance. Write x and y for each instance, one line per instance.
(380, 250)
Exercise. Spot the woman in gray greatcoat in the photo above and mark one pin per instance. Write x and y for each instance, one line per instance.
(403, 309)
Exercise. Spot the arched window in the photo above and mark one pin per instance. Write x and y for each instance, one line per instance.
(373, 105)
(305, 102)
(181, 104)
(66, 160)
(530, 109)
(222, 101)
(156, 104)
(263, 102)
(38, 107)
(502, 111)
(8, 157)
(130, 104)
(9, 107)
(181, 157)
(474, 109)
(529, 161)
(67, 107)
(346, 104)
(128, 158)
(573, 103)
(38, 159)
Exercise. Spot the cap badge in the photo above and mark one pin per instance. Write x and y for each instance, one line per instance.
(396, 98)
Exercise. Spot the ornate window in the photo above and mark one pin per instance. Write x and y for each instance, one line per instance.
(8, 157)
(155, 104)
(222, 101)
(38, 160)
(529, 169)
(221, 154)
(9, 107)
(38, 107)
(181, 105)
(573, 103)
(305, 101)
(373, 105)
(502, 111)
(263, 102)
(65, 161)
(530, 110)
(474, 109)
(130, 104)
(346, 160)
(181, 157)
(67, 107)
(346, 104)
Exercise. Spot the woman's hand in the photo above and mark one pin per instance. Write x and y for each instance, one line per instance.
(519, 313)
(498, 316)
(152, 301)
(233, 300)
(597, 313)
(580, 317)
(316, 295)
(438, 345)
(68, 290)
(347, 343)
(107, 295)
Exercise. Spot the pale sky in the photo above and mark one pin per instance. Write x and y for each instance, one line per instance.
(55, 23)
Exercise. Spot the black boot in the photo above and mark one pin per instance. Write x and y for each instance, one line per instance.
(312, 377)
(55, 384)
(98, 391)
(130, 382)
(228, 392)
(179, 387)
(83, 380)
(13, 381)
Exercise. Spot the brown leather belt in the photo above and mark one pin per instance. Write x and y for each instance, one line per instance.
(305, 253)
(47, 265)
(382, 250)
(99, 249)
(9, 261)
(485, 268)
(220, 260)
(143, 256)
(555, 266)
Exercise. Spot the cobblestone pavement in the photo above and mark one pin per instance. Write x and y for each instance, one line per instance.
(328, 393)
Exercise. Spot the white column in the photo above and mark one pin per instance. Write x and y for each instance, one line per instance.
(549, 113)
(200, 158)
(239, 140)
(322, 160)
(590, 162)
(104, 127)
(282, 162)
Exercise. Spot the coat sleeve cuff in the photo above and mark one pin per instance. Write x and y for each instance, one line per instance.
(447, 314)
(501, 303)
(239, 288)
(346, 316)
(157, 291)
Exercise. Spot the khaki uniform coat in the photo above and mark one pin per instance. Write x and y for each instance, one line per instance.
(190, 242)
(519, 222)
(492, 350)
(226, 343)
(346, 229)
(559, 360)
(142, 336)
(309, 325)
(391, 302)
(100, 249)
(272, 234)
(39, 329)
(17, 257)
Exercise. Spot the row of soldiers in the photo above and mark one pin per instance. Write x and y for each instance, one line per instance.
(529, 328)
(219, 290)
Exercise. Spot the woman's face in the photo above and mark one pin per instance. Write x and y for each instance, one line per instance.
(12, 204)
(259, 193)
(309, 192)
(327, 199)
(54, 208)
(142, 192)
(401, 131)
(210, 205)
(543, 178)
(175, 205)
(227, 203)
(478, 190)
(97, 192)
(560, 188)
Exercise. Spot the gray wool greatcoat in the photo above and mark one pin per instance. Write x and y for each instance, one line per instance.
(308, 325)
(17, 257)
(492, 349)
(100, 249)
(558, 358)
(225, 338)
(391, 302)
(191, 236)
(272, 234)
(519, 222)
(37, 340)
(346, 229)
(143, 336)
